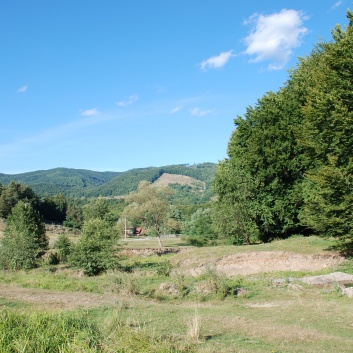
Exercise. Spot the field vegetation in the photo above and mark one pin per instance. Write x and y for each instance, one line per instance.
(172, 269)
(152, 303)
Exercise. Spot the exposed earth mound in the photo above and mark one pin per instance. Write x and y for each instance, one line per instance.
(266, 261)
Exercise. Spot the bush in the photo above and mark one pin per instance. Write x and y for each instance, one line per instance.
(164, 269)
(63, 244)
(195, 241)
(94, 251)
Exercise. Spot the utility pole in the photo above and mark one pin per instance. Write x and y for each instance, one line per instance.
(125, 227)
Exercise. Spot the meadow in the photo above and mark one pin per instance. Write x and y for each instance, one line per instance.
(154, 304)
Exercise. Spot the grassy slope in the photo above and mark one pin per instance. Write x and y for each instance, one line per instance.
(266, 318)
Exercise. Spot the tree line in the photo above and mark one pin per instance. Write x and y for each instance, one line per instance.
(289, 165)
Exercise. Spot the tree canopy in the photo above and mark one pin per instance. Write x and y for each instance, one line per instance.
(289, 165)
(149, 207)
(24, 239)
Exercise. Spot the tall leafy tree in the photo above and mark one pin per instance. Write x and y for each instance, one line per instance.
(97, 208)
(74, 217)
(234, 214)
(148, 207)
(262, 177)
(25, 240)
(327, 136)
(294, 149)
(13, 193)
(53, 208)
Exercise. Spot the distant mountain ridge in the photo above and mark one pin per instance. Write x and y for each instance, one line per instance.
(87, 183)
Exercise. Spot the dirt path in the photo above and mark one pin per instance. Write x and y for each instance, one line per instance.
(54, 299)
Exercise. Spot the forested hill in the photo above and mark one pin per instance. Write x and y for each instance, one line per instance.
(87, 183)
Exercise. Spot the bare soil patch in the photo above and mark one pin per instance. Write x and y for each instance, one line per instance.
(266, 261)
(152, 251)
(165, 179)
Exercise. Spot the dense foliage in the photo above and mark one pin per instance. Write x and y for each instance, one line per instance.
(86, 183)
(148, 207)
(290, 157)
(70, 182)
(94, 252)
(14, 193)
(24, 239)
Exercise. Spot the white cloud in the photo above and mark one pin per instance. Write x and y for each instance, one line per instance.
(199, 112)
(130, 100)
(90, 112)
(22, 89)
(175, 110)
(216, 62)
(273, 37)
(337, 4)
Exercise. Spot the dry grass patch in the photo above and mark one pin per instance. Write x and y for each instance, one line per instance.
(166, 179)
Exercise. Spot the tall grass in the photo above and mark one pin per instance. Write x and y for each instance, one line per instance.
(79, 333)
(41, 332)
(194, 327)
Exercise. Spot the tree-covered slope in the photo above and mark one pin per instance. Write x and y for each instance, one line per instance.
(128, 181)
(87, 183)
(70, 182)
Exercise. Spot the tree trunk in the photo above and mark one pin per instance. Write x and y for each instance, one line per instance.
(159, 241)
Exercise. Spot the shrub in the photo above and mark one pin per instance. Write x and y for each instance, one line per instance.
(63, 244)
(164, 269)
(94, 252)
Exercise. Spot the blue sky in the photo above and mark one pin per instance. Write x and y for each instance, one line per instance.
(111, 85)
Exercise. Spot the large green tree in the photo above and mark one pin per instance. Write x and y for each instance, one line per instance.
(97, 208)
(53, 208)
(235, 210)
(13, 193)
(260, 181)
(327, 136)
(25, 240)
(290, 157)
(149, 208)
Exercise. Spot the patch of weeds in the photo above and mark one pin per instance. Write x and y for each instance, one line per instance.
(126, 283)
(41, 332)
(347, 266)
(215, 284)
(164, 268)
(194, 327)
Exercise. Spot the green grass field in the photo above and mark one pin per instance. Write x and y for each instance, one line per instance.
(151, 305)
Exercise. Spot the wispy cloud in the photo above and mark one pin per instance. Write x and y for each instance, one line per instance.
(273, 37)
(217, 62)
(22, 89)
(57, 133)
(130, 100)
(200, 112)
(90, 112)
(175, 110)
(336, 4)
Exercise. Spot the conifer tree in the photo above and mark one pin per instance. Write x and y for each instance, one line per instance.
(25, 240)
